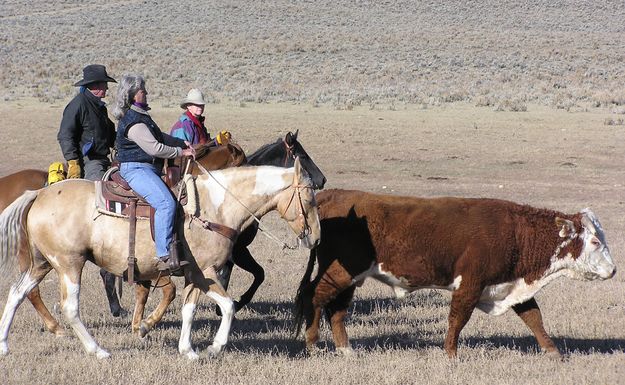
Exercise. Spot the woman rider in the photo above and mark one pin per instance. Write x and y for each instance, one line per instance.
(141, 150)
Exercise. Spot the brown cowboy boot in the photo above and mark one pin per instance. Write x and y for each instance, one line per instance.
(174, 261)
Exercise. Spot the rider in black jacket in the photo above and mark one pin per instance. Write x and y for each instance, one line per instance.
(87, 134)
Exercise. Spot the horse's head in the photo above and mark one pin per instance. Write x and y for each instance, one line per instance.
(294, 149)
(283, 152)
(299, 208)
(219, 157)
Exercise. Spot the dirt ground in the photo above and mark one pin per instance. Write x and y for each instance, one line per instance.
(544, 157)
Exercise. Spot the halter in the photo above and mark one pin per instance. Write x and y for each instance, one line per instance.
(289, 152)
(301, 217)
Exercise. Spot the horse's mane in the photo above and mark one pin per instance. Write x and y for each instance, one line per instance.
(262, 150)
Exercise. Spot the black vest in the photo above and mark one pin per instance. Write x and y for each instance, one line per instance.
(129, 151)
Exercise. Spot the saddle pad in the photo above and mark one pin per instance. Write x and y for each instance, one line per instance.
(106, 203)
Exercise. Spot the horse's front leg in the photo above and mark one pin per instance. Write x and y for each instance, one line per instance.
(225, 303)
(169, 294)
(242, 257)
(70, 303)
(191, 295)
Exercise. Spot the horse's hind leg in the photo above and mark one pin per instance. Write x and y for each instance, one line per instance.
(169, 294)
(26, 282)
(41, 265)
(52, 325)
(70, 303)
(111, 294)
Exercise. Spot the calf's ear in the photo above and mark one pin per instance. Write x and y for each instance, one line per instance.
(566, 227)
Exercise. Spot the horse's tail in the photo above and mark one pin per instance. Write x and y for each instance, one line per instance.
(12, 226)
(298, 312)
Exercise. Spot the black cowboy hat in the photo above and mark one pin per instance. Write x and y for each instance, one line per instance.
(94, 73)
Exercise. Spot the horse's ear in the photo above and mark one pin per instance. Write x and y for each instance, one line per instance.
(290, 137)
(298, 171)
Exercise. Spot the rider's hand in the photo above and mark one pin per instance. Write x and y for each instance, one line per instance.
(73, 169)
(189, 151)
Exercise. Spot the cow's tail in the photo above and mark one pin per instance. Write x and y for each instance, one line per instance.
(12, 228)
(298, 311)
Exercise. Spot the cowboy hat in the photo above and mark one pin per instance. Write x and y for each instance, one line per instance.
(94, 73)
(193, 97)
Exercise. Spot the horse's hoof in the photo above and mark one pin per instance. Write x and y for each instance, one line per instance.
(213, 351)
(143, 330)
(191, 355)
(102, 354)
(313, 351)
(4, 349)
(345, 351)
(554, 355)
(121, 312)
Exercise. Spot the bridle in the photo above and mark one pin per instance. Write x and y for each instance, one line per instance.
(289, 152)
(301, 215)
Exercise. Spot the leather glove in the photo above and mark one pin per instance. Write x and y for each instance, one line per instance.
(73, 169)
(223, 137)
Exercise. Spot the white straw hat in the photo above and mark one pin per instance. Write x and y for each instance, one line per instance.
(193, 97)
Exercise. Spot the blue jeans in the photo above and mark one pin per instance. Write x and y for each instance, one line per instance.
(145, 179)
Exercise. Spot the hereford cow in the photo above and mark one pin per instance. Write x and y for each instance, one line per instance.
(492, 254)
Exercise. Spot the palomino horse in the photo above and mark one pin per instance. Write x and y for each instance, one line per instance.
(12, 186)
(44, 225)
(281, 153)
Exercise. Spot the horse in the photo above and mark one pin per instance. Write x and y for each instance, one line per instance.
(491, 254)
(12, 186)
(282, 153)
(57, 228)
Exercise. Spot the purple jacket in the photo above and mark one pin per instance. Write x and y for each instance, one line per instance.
(185, 129)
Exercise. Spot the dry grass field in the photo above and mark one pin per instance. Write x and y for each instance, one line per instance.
(515, 100)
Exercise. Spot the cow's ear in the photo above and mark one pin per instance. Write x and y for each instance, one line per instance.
(566, 227)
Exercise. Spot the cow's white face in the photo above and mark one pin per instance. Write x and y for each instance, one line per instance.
(595, 261)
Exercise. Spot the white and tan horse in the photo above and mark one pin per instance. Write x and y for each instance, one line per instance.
(59, 228)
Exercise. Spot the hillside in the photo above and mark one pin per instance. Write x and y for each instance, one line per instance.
(567, 54)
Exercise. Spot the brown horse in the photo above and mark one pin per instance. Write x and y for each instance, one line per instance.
(12, 186)
(492, 254)
(55, 228)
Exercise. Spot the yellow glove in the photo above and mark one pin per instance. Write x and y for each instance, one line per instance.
(223, 137)
(73, 168)
(56, 172)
